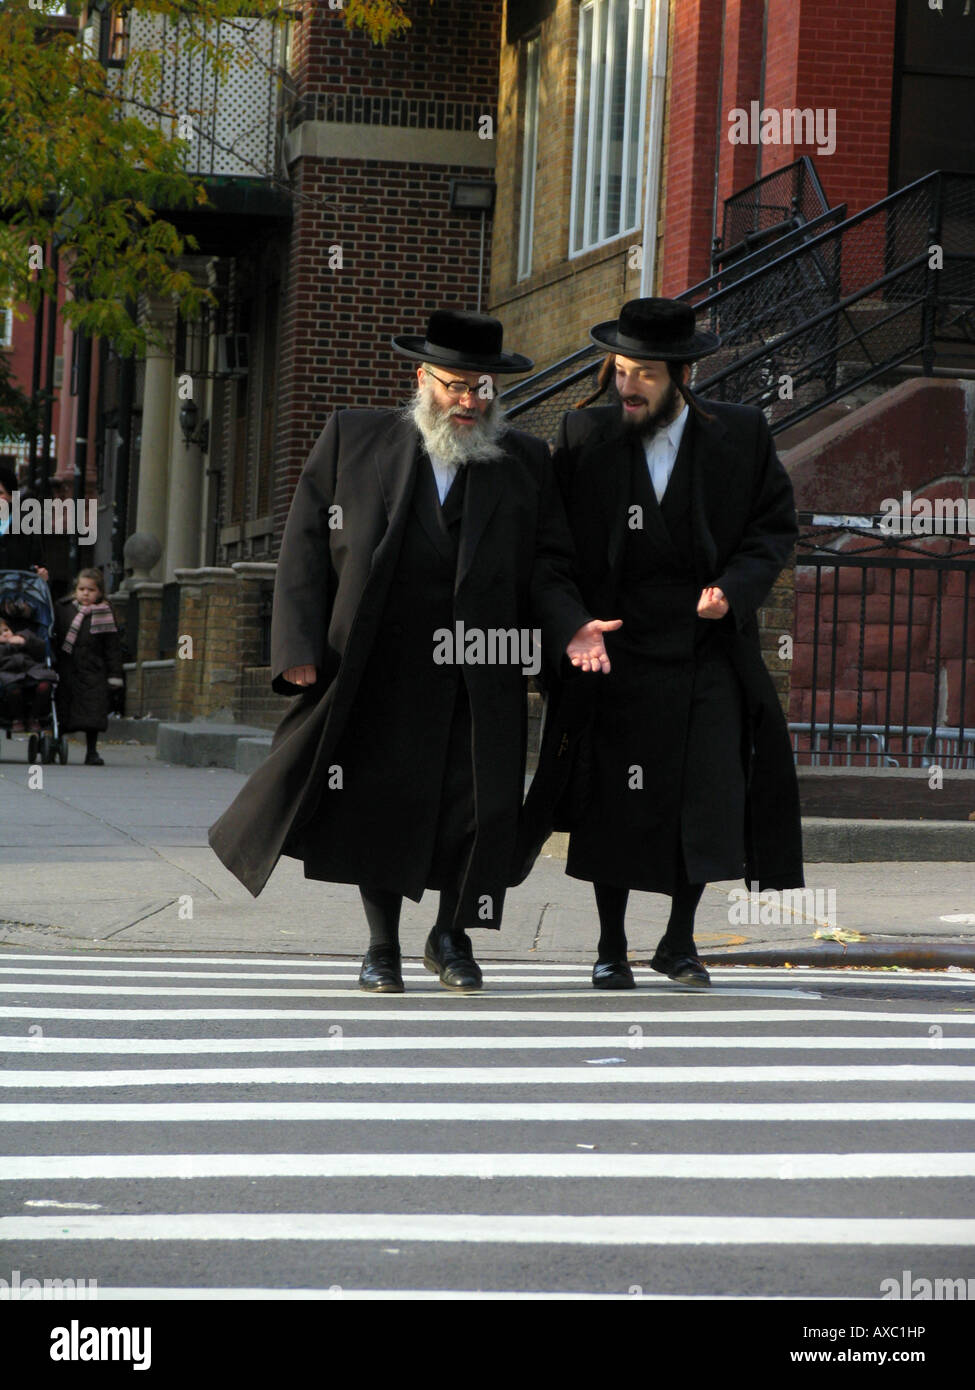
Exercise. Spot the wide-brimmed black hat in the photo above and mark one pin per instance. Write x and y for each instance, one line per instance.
(662, 330)
(468, 342)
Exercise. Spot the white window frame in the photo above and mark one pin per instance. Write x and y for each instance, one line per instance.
(591, 147)
(529, 157)
(6, 328)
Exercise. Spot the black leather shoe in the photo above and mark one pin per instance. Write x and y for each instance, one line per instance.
(452, 958)
(612, 974)
(381, 972)
(685, 970)
(93, 760)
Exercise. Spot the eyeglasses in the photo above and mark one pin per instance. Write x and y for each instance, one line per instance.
(459, 389)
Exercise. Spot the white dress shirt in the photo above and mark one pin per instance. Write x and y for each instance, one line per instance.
(661, 451)
(444, 474)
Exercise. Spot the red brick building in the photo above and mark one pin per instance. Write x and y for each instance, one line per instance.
(892, 78)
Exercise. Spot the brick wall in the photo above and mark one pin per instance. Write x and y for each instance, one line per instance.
(157, 692)
(404, 253)
(832, 54)
(741, 84)
(819, 54)
(256, 701)
(775, 620)
(695, 61)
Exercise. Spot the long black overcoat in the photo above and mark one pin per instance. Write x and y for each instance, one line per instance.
(83, 691)
(744, 529)
(334, 571)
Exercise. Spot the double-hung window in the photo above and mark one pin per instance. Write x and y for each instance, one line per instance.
(611, 92)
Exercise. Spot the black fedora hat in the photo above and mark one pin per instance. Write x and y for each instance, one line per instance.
(467, 342)
(662, 330)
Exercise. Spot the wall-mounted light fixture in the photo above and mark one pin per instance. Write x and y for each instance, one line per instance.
(189, 417)
(474, 195)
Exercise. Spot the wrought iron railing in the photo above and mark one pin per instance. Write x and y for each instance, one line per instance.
(883, 668)
(778, 203)
(836, 306)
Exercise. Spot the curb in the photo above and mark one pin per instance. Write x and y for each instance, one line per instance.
(124, 729)
(934, 956)
(829, 840)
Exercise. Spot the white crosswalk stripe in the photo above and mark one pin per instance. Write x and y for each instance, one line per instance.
(448, 1130)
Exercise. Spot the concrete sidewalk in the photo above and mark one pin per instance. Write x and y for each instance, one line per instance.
(116, 858)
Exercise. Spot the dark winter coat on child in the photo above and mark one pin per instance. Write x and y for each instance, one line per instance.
(95, 655)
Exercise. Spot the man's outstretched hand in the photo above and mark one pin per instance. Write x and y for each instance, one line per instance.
(587, 648)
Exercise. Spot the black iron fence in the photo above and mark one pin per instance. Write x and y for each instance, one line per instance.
(883, 669)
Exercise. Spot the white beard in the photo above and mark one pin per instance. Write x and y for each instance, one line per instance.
(476, 443)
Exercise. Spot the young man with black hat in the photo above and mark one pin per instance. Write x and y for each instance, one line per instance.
(681, 771)
(400, 764)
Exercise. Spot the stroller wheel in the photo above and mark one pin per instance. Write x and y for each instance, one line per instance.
(62, 750)
(32, 748)
(45, 749)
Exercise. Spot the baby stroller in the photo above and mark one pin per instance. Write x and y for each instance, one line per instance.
(27, 594)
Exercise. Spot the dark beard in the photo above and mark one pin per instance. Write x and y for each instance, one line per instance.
(663, 415)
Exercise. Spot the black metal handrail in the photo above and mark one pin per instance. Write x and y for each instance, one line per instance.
(757, 260)
(842, 305)
(790, 196)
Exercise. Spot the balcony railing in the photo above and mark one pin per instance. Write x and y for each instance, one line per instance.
(229, 111)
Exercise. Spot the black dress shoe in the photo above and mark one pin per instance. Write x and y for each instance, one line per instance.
(381, 973)
(685, 970)
(612, 974)
(93, 760)
(452, 958)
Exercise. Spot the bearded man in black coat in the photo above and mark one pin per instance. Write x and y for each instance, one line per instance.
(425, 561)
(676, 770)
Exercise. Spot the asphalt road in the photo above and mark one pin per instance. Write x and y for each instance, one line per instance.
(183, 1125)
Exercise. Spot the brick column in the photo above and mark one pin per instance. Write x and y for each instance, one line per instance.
(144, 642)
(253, 577)
(256, 702)
(776, 618)
(205, 679)
(691, 143)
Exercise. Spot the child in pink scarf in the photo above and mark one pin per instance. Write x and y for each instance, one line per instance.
(89, 660)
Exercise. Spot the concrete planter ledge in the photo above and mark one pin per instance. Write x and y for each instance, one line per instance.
(203, 744)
